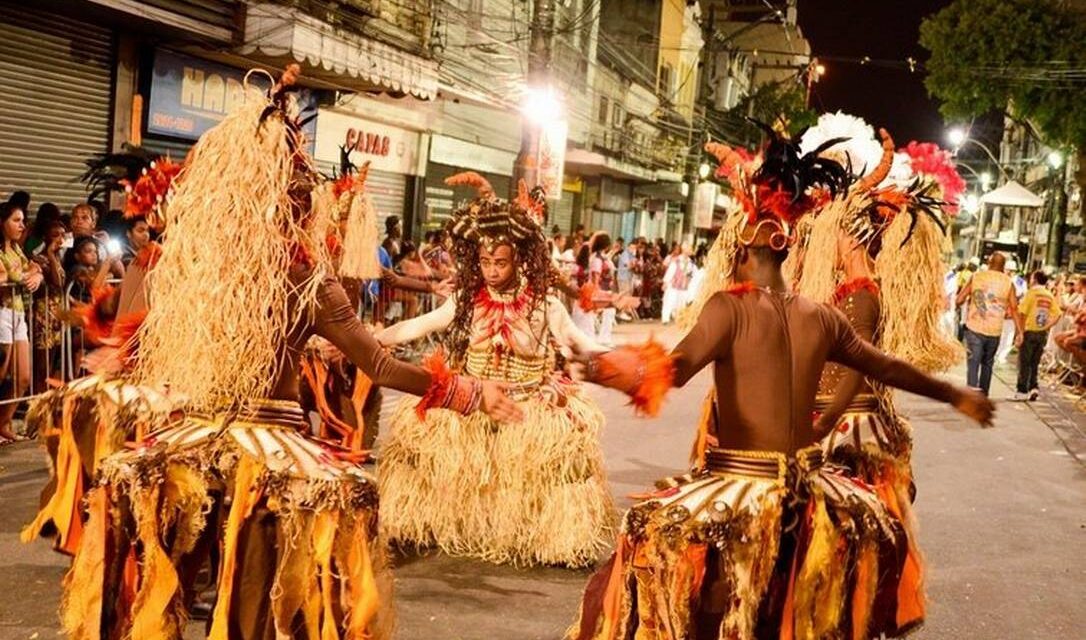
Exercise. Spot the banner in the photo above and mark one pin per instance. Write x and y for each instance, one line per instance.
(704, 203)
(190, 95)
(552, 158)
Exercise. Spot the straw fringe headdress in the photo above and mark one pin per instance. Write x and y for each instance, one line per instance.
(358, 224)
(901, 229)
(242, 216)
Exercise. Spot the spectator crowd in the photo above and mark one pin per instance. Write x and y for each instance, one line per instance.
(49, 264)
(994, 309)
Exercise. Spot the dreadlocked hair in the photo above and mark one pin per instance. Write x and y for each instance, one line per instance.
(530, 253)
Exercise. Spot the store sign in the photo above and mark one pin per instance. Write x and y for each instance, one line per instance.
(385, 147)
(190, 95)
(704, 204)
(462, 154)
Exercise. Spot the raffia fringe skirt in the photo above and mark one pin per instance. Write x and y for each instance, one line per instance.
(877, 447)
(757, 545)
(287, 526)
(527, 494)
(79, 425)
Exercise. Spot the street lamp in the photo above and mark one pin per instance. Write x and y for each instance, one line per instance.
(970, 203)
(956, 137)
(1055, 159)
(959, 137)
(703, 170)
(985, 180)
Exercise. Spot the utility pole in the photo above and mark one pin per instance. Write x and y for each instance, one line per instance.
(1057, 218)
(540, 57)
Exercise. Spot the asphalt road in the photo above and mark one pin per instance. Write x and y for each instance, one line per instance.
(1002, 514)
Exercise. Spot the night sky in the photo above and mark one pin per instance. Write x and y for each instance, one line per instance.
(888, 97)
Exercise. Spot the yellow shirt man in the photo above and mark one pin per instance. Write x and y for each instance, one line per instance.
(1039, 308)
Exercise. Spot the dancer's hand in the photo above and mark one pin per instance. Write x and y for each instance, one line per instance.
(444, 288)
(976, 405)
(497, 404)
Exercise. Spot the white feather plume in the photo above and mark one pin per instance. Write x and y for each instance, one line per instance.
(863, 149)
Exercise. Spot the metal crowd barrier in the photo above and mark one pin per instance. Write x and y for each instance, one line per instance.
(60, 361)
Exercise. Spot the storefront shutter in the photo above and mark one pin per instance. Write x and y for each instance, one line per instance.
(561, 212)
(388, 191)
(56, 103)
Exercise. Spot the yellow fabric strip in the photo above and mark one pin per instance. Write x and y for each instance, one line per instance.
(247, 493)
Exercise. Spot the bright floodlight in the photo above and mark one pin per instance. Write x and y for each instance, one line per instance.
(1055, 159)
(541, 105)
(703, 170)
(956, 136)
(820, 69)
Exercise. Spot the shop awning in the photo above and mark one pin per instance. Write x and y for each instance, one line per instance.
(1012, 194)
(279, 35)
(590, 163)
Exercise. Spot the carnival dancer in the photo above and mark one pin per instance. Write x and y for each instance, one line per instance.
(767, 540)
(294, 518)
(876, 255)
(526, 494)
(94, 416)
(347, 401)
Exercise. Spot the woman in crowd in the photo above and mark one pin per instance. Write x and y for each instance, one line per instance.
(48, 213)
(602, 276)
(411, 264)
(19, 276)
(584, 315)
(48, 304)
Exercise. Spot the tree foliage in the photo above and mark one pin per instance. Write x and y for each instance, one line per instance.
(1017, 56)
(772, 102)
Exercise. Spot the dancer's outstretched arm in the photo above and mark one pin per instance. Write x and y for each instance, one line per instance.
(437, 320)
(850, 350)
(336, 321)
(566, 333)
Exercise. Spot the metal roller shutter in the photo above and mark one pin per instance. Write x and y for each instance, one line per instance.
(388, 191)
(561, 212)
(57, 103)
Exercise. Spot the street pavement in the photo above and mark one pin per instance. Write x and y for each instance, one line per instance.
(1002, 514)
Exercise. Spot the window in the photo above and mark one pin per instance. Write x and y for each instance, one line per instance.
(618, 116)
(664, 82)
(604, 104)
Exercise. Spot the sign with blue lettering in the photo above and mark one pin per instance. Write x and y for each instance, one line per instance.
(190, 95)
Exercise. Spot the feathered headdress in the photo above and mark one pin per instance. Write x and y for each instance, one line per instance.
(859, 150)
(780, 184)
(775, 189)
(929, 162)
(147, 180)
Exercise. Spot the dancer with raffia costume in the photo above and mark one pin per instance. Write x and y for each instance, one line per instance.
(531, 493)
(347, 401)
(875, 254)
(767, 540)
(295, 518)
(90, 418)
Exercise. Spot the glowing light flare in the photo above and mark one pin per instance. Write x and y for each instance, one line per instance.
(956, 136)
(541, 105)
